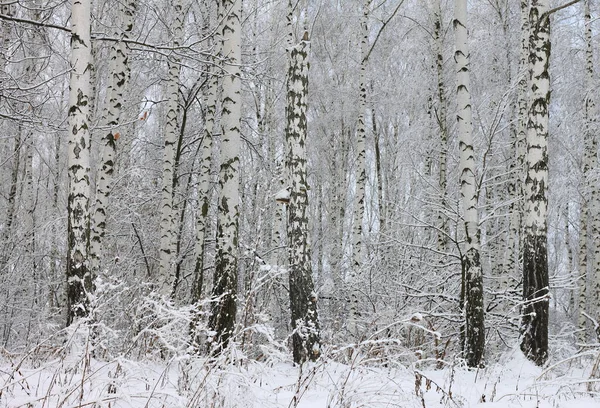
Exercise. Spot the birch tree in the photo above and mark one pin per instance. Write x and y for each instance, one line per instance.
(79, 280)
(303, 298)
(168, 216)
(516, 185)
(534, 325)
(361, 174)
(119, 73)
(591, 180)
(442, 121)
(223, 314)
(210, 100)
(472, 286)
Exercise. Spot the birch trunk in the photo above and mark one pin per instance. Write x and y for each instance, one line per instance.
(11, 206)
(79, 281)
(204, 189)
(516, 208)
(534, 325)
(206, 146)
(5, 32)
(119, 73)
(223, 315)
(168, 216)
(303, 299)
(591, 159)
(361, 176)
(471, 264)
(442, 121)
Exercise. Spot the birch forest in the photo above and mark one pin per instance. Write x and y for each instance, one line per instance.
(299, 203)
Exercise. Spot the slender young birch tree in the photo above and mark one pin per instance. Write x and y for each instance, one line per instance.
(303, 298)
(79, 280)
(534, 325)
(442, 121)
(7, 230)
(591, 160)
(361, 174)
(210, 99)
(168, 216)
(223, 315)
(516, 187)
(119, 73)
(590, 148)
(472, 286)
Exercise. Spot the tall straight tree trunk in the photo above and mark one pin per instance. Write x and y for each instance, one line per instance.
(210, 99)
(361, 175)
(591, 159)
(79, 281)
(5, 39)
(471, 263)
(518, 175)
(303, 298)
(119, 73)
(223, 314)
(442, 121)
(534, 325)
(168, 213)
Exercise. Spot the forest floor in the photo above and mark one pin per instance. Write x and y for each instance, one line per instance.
(75, 379)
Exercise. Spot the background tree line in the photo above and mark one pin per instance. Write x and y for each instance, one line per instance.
(417, 183)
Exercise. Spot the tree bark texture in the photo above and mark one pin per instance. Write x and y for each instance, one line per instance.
(303, 298)
(591, 179)
(511, 265)
(119, 73)
(442, 122)
(471, 263)
(534, 325)
(358, 256)
(202, 220)
(222, 319)
(79, 281)
(168, 213)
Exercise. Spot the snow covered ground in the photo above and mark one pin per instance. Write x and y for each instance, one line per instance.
(76, 380)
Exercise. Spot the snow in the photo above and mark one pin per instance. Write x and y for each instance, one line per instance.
(274, 382)
(283, 195)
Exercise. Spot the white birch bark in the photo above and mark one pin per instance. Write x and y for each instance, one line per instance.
(119, 73)
(361, 176)
(441, 116)
(534, 325)
(591, 160)
(303, 299)
(79, 282)
(168, 213)
(210, 99)
(586, 235)
(5, 39)
(35, 37)
(511, 266)
(472, 274)
(222, 319)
